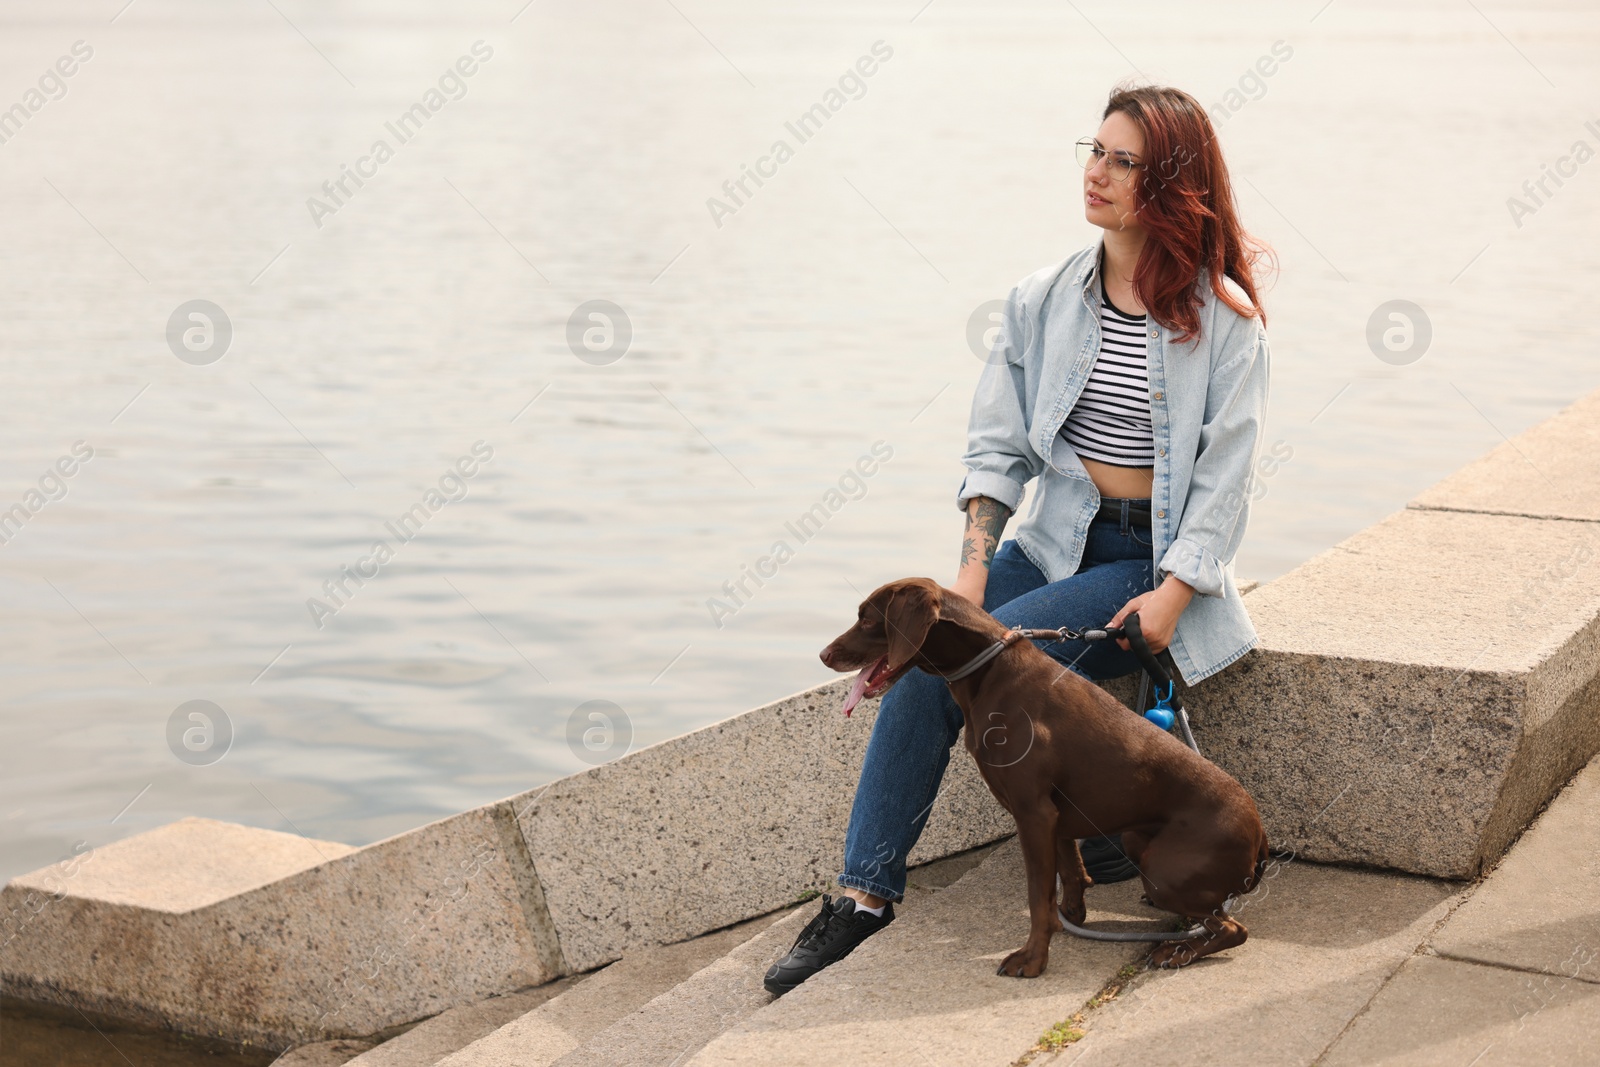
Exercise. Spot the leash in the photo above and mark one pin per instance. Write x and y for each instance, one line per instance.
(1197, 930)
(1168, 707)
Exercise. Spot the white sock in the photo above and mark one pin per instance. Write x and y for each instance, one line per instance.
(878, 911)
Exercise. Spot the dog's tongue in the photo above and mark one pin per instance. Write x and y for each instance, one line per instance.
(858, 688)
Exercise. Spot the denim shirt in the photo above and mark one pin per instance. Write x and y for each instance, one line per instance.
(1208, 401)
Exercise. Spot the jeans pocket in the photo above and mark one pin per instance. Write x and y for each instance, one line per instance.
(1141, 535)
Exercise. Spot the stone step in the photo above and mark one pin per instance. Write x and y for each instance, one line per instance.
(449, 1032)
(1323, 940)
(433, 1039)
(563, 1023)
(925, 990)
(1347, 967)
(685, 1017)
(682, 1020)
(699, 1007)
(1540, 909)
(1513, 977)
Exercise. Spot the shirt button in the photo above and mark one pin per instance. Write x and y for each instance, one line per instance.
(1158, 396)
(1155, 333)
(1161, 514)
(1161, 451)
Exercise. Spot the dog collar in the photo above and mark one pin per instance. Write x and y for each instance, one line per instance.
(985, 656)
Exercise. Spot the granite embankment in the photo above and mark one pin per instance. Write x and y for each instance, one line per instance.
(1420, 692)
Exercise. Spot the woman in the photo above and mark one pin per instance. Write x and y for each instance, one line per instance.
(1131, 379)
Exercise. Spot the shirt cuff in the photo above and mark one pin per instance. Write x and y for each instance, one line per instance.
(1193, 564)
(1007, 491)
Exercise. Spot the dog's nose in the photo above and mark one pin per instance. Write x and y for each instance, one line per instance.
(827, 657)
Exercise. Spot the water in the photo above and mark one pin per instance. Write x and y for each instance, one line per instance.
(44, 1036)
(829, 312)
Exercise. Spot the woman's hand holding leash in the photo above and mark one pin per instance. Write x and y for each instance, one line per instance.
(1158, 613)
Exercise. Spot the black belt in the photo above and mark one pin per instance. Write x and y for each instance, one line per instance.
(1112, 512)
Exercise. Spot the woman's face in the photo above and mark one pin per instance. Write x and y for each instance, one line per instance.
(1109, 203)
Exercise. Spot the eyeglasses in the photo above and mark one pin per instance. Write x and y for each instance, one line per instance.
(1118, 166)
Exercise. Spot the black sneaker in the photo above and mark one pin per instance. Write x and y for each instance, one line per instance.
(1105, 861)
(828, 938)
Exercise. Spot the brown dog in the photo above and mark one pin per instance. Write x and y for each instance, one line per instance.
(1067, 760)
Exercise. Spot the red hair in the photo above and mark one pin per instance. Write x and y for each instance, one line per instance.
(1185, 203)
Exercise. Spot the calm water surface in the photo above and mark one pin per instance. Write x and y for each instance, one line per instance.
(427, 310)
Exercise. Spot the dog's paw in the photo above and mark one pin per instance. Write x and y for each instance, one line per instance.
(1023, 964)
(1172, 955)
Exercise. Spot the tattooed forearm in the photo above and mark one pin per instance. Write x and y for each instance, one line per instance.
(986, 518)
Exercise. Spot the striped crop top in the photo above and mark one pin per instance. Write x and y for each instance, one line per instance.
(1111, 420)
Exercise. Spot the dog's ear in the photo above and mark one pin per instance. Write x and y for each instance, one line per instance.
(912, 611)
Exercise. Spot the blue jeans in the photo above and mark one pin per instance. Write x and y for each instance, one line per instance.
(918, 720)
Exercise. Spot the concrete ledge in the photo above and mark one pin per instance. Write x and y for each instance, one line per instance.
(361, 942)
(1550, 471)
(1409, 705)
(252, 935)
(730, 821)
(183, 866)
